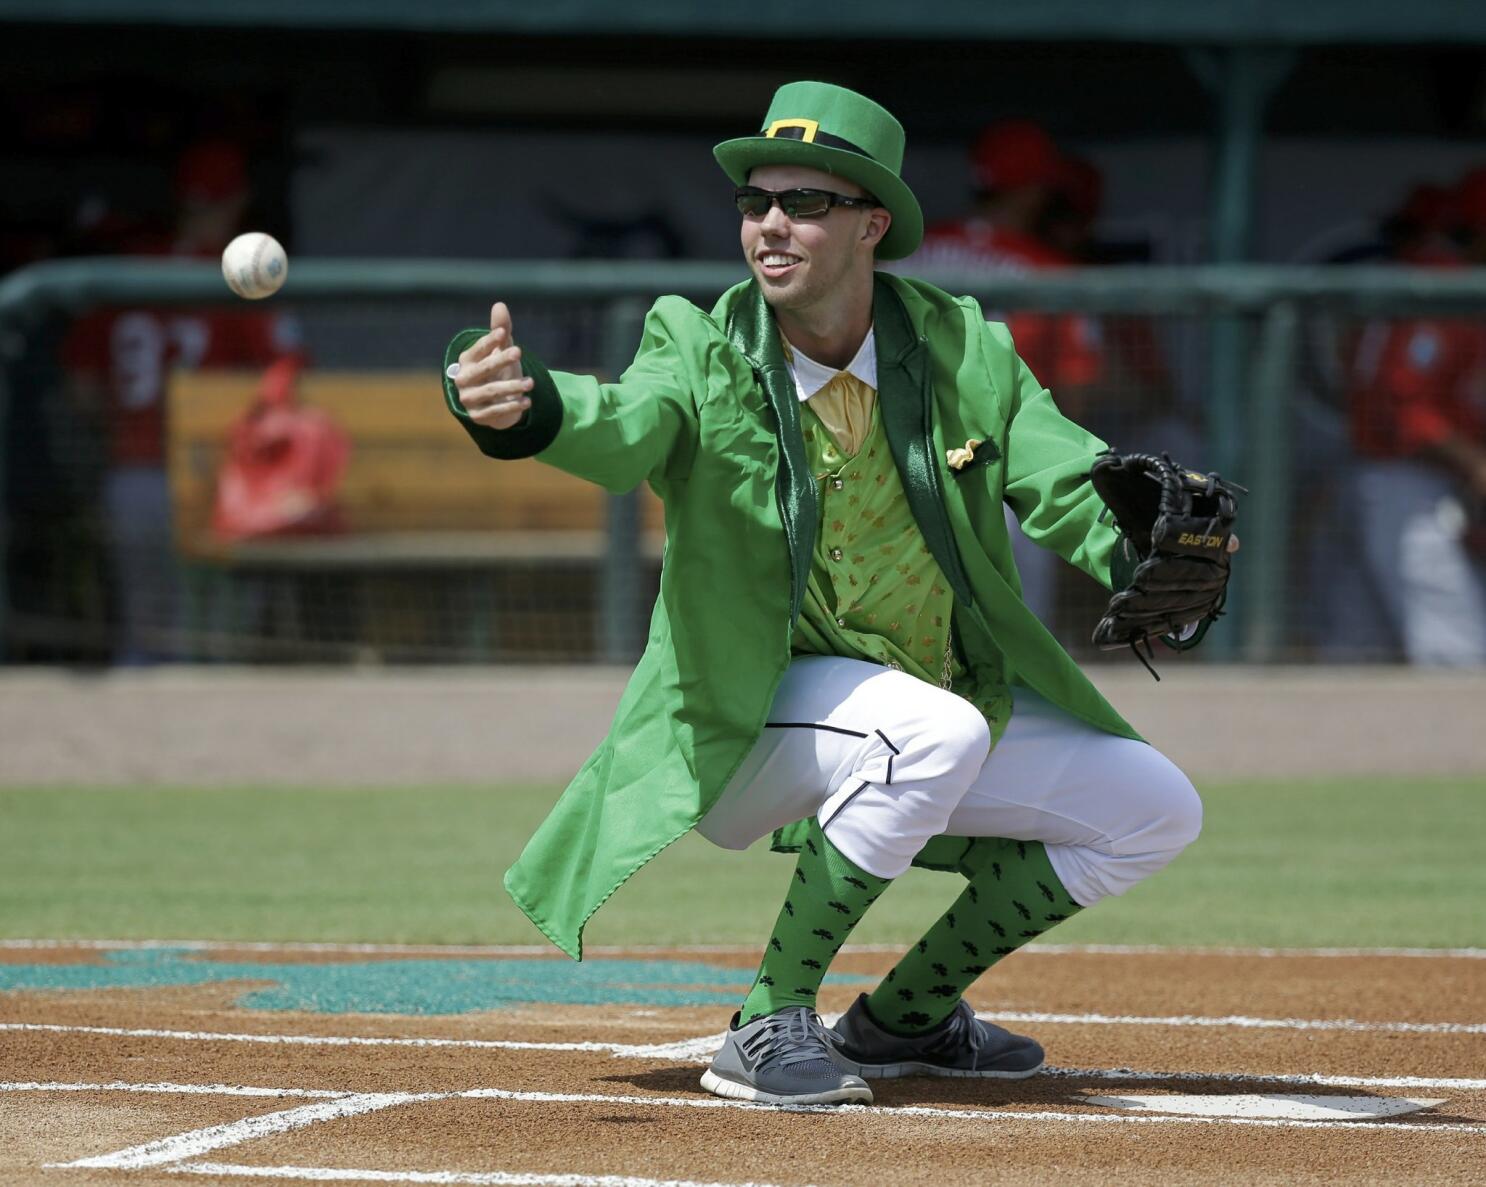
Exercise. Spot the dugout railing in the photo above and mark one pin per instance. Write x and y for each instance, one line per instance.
(1249, 324)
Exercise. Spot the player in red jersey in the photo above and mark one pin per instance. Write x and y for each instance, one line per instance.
(118, 363)
(1017, 169)
(1417, 406)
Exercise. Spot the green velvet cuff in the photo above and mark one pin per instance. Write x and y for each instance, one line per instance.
(533, 432)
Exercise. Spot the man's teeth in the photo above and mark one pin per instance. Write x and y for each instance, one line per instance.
(779, 261)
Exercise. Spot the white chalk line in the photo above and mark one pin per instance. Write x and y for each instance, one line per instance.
(705, 1044)
(1119, 1074)
(1034, 949)
(702, 1047)
(1241, 1021)
(187, 1145)
(167, 1089)
(876, 1112)
(621, 1049)
(1295, 1079)
(476, 1178)
(234, 1133)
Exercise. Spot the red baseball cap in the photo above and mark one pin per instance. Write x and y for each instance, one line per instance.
(1015, 153)
(209, 172)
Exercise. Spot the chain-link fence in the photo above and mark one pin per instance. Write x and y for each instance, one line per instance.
(175, 493)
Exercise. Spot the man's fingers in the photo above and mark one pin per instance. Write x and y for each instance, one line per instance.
(500, 318)
(517, 405)
(492, 365)
(498, 392)
(1233, 543)
(479, 349)
(482, 347)
(489, 380)
(496, 369)
(502, 416)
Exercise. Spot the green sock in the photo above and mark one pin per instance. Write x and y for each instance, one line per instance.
(827, 896)
(1013, 897)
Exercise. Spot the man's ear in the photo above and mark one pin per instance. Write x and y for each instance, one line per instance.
(877, 225)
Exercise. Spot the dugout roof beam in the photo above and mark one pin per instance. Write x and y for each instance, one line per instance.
(1170, 22)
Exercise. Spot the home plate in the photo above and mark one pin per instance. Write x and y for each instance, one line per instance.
(1288, 1108)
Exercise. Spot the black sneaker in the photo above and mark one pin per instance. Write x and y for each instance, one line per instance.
(961, 1045)
(784, 1058)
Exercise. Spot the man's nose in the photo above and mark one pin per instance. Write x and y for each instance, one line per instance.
(774, 222)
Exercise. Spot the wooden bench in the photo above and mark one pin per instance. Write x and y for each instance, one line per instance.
(416, 490)
(417, 495)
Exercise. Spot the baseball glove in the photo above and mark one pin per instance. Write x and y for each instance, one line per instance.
(1172, 565)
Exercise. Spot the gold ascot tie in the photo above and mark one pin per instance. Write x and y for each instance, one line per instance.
(845, 406)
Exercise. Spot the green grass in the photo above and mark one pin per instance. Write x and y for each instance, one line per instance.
(1336, 862)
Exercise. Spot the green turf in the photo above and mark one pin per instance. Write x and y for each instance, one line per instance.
(1338, 862)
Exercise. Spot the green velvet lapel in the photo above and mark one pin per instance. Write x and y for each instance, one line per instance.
(906, 400)
(753, 334)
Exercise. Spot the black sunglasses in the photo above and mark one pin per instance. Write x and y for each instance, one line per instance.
(755, 203)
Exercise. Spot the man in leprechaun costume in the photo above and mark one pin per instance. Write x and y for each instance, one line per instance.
(839, 653)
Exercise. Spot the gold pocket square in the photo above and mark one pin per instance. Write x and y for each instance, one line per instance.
(960, 458)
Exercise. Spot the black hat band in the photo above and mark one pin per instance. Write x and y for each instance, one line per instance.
(809, 131)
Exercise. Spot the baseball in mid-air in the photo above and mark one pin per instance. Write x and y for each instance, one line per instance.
(254, 265)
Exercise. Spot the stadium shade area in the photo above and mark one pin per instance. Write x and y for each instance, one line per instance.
(1234, 22)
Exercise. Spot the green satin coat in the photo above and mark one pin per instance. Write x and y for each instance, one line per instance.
(707, 414)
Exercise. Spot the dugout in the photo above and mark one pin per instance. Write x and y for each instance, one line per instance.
(1227, 82)
(1227, 131)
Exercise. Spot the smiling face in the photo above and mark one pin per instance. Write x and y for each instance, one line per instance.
(807, 266)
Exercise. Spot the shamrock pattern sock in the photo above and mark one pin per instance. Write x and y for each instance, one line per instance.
(827, 896)
(1013, 897)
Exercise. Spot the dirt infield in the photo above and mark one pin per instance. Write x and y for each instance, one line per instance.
(142, 1065)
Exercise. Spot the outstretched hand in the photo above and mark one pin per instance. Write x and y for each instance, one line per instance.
(490, 383)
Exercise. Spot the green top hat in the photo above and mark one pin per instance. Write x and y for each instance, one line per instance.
(827, 127)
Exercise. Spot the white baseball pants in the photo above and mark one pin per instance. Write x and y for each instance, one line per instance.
(1432, 589)
(886, 761)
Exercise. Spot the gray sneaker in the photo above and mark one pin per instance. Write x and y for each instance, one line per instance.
(783, 1058)
(962, 1045)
